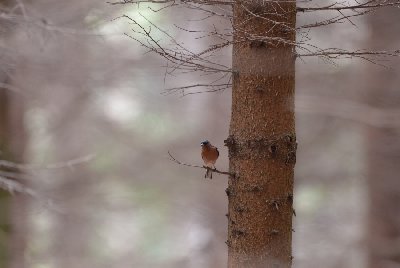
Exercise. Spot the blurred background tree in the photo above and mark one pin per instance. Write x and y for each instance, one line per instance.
(383, 146)
(13, 141)
(88, 89)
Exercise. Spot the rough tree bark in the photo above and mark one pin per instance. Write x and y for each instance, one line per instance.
(262, 141)
(384, 149)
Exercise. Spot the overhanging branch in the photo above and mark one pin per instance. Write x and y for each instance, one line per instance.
(216, 76)
(372, 4)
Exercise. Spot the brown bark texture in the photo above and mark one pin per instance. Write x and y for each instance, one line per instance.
(383, 145)
(262, 140)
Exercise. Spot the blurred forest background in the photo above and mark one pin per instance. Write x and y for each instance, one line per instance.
(82, 104)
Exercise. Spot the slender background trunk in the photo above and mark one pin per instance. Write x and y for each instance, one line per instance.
(262, 141)
(384, 148)
(12, 208)
(13, 224)
(5, 199)
(19, 202)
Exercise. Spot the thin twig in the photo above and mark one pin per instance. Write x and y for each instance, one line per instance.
(336, 7)
(13, 186)
(183, 60)
(59, 165)
(196, 166)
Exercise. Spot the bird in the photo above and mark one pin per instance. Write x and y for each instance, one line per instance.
(210, 154)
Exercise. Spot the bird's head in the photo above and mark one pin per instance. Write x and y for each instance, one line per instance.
(205, 143)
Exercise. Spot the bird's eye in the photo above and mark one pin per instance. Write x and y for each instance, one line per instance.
(205, 142)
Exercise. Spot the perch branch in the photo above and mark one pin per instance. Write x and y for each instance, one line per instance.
(196, 166)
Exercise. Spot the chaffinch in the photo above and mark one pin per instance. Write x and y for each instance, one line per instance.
(210, 154)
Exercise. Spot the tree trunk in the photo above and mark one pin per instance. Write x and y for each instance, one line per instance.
(13, 222)
(5, 198)
(384, 148)
(12, 208)
(262, 141)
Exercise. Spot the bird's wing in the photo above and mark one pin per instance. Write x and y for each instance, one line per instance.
(217, 151)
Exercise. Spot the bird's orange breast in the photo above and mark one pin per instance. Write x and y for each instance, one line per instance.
(209, 155)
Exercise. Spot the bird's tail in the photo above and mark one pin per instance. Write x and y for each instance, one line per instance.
(208, 173)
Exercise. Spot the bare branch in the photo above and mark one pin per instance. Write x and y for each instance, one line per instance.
(203, 2)
(181, 59)
(372, 4)
(13, 181)
(182, 89)
(66, 164)
(195, 166)
(13, 186)
(367, 55)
